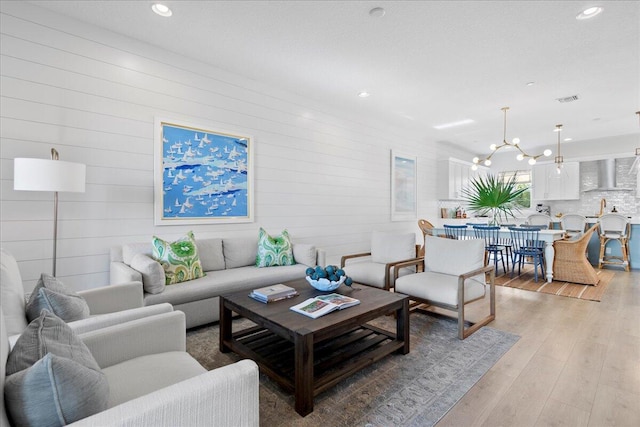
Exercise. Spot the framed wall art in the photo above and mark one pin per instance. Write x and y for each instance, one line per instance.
(404, 200)
(201, 175)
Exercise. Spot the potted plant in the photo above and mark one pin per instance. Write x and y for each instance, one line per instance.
(493, 195)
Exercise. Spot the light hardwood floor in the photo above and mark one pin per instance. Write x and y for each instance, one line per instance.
(577, 362)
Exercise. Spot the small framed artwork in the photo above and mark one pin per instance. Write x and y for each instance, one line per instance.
(404, 199)
(202, 175)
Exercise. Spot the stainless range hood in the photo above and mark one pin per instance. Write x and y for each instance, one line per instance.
(607, 177)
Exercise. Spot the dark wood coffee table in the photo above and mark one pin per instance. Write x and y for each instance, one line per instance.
(307, 356)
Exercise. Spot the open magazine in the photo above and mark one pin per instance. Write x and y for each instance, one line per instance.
(323, 304)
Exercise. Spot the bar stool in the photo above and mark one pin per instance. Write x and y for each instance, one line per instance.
(573, 224)
(614, 227)
(539, 219)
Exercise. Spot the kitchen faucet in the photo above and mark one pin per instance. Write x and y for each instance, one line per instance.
(603, 204)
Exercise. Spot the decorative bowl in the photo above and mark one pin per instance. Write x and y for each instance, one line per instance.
(325, 284)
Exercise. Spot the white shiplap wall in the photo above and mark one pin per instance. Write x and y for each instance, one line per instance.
(322, 174)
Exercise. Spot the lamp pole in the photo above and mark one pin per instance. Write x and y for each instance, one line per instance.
(55, 156)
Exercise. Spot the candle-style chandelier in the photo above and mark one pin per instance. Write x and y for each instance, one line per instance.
(515, 142)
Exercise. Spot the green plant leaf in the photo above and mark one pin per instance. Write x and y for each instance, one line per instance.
(492, 195)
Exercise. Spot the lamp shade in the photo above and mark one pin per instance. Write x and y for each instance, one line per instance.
(48, 175)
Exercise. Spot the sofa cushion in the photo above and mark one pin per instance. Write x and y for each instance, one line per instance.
(372, 273)
(274, 250)
(446, 291)
(139, 376)
(52, 295)
(211, 255)
(304, 254)
(389, 247)
(217, 283)
(55, 391)
(179, 259)
(12, 294)
(153, 277)
(239, 251)
(48, 334)
(450, 256)
(130, 250)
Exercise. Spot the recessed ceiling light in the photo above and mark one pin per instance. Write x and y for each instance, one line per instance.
(377, 12)
(589, 13)
(161, 10)
(568, 139)
(364, 94)
(530, 83)
(453, 124)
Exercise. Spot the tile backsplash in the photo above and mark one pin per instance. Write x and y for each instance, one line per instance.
(589, 204)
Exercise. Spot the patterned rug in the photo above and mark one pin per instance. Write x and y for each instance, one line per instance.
(566, 289)
(416, 389)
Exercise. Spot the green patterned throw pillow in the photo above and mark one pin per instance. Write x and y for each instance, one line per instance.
(274, 251)
(179, 259)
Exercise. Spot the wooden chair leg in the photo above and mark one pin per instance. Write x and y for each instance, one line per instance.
(603, 242)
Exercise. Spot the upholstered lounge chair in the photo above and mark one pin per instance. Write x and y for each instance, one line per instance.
(108, 305)
(152, 380)
(570, 263)
(454, 275)
(376, 268)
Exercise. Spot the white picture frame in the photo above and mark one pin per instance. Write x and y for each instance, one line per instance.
(202, 175)
(404, 191)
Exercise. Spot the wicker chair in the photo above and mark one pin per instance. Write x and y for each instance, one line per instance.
(570, 263)
(427, 230)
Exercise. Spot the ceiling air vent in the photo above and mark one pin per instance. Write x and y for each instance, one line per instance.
(568, 98)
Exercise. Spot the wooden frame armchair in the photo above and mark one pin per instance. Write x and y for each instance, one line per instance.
(570, 262)
(454, 275)
(377, 267)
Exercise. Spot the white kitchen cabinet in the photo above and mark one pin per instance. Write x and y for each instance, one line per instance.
(546, 184)
(453, 176)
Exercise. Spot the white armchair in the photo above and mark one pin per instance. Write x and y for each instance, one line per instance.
(454, 275)
(108, 305)
(154, 382)
(377, 268)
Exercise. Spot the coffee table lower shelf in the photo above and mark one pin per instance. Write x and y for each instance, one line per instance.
(333, 359)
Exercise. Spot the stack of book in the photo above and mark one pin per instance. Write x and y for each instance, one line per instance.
(273, 293)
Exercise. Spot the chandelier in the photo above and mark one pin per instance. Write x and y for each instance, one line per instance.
(514, 143)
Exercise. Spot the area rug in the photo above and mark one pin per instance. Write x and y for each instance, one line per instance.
(566, 289)
(416, 389)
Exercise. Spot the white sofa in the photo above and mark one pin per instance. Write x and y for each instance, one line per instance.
(229, 264)
(153, 381)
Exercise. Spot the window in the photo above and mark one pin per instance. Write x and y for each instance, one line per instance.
(523, 180)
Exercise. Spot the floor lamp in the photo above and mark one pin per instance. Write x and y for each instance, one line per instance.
(49, 175)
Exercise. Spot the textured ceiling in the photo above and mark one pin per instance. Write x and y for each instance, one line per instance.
(424, 62)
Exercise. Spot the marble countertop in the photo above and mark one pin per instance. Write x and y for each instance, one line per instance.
(634, 219)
